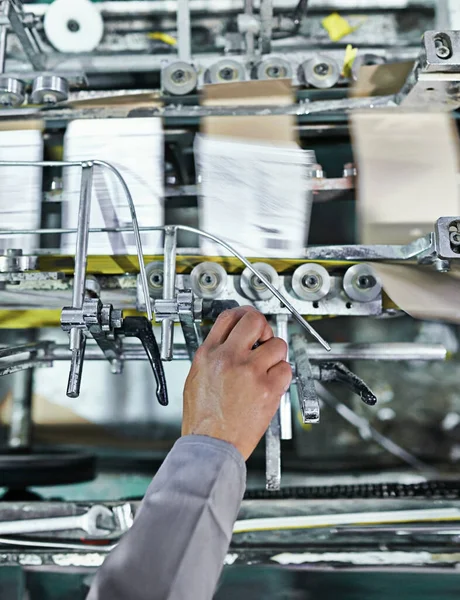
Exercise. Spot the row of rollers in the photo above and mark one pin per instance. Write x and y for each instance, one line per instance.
(310, 281)
(322, 72)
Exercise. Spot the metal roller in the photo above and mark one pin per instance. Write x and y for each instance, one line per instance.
(155, 278)
(273, 68)
(311, 282)
(12, 91)
(365, 60)
(179, 78)
(49, 89)
(320, 72)
(208, 280)
(361, 283)
(253, 288)
(225, 70)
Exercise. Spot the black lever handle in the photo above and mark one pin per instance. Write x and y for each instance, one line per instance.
(141, 328)
(213, 308)
(336, 371)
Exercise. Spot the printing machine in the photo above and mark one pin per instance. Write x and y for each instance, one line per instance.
(384, 439)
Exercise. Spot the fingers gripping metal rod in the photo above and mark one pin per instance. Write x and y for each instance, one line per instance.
(297, 316)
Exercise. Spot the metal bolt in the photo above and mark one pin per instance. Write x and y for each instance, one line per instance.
(274, 72)
(321, 69)
(226, 74)
(365, 282)
(178, 76)
(73, 25)
(311, 281)
(442, 51)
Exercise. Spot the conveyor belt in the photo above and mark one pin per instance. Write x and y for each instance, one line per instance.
(439, 490)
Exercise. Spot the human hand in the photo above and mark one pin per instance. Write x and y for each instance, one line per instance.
(233, 391)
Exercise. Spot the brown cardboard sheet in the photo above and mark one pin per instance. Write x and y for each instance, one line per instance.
(272, 128)
(381, 80)
(422, 292)
(407, 173)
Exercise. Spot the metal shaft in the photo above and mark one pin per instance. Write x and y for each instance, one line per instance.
(77, 339)
(273, 454)
(20, 431)
(184, 40)
(285, 404)
(3, 35)
(249, 35)
(266, 25)
(81, 248)
(169, 290)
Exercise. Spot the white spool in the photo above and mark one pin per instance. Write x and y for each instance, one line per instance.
(73, 26)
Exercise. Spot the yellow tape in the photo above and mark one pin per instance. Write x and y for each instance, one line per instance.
(120, 265)
(350, 56)
(338, 27)
(162, 37)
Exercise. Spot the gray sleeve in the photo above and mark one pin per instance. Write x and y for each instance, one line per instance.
(180, 536)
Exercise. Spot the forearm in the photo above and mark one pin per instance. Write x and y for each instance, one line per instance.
(177, 544)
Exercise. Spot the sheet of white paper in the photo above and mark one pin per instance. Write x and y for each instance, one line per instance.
(135, 148)
(254, 196)
(20, 187)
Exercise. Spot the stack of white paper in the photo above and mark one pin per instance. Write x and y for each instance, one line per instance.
(255, 196)
(135, 147)
(20, 187)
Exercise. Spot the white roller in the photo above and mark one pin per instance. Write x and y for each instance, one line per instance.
(73, 26)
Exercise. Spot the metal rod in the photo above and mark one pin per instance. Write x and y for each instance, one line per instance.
(266, 25)
(306, 391)
(26, 41)
(249, 35)
(285, 412)
(169, 290)
(137, 235)
(184, 40)
(3, 37)
(297, 316)
(81, 246)
(20, 430)
(273, 454)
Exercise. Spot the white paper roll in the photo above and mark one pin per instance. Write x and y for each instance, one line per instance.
(73, 26)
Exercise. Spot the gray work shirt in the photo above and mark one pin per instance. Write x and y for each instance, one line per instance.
(177, 545)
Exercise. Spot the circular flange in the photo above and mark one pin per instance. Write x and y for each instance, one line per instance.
(320, 72)
(361, 283)
(12, 91)
(225, 70)
(273, 68)
(365, 60)
(73, 27)
(155, 278)
(311, 282)
(253, 288)
(49, 89)
(179, 78)
(208, 280)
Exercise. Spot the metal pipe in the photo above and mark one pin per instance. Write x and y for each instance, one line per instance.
(379, 352)
(169, 290)
(184, 40)
(285, 412)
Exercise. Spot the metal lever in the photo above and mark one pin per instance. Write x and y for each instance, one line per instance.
(169, 289)
(141, 328)
(336, 371)
(306, 391)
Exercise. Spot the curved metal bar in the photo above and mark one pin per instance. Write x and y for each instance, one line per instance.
(135, 226)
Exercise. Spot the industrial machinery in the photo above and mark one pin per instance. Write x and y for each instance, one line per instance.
(392, 432)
